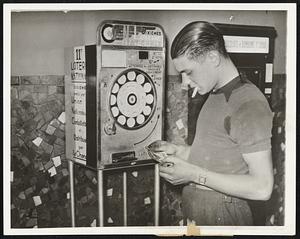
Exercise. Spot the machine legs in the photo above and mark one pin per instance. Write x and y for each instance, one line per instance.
(72, 196)
(101, 195)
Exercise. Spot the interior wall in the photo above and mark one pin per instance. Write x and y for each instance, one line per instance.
(38, 39)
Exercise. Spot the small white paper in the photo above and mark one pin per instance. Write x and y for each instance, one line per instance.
(179, 124)
(37, 141)
(12, 176)
(13, 206)
(37, 200)
(135, 174)
(109, 220)
(269, 72)
(268, 90)
(45, 190)
(279, 130)
(22, 195)
(94, 181)
(282, 145)
(181, 222)
(281, 209)
(50, 129)
(52, 171)
(109, 192)
(62, 117)
(93, 224)
(68, 195)
(147, 200)
(56, 161)
(35, 226)
(274, 171)
(272, 219)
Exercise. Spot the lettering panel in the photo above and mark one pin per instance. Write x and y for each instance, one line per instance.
(78, 104)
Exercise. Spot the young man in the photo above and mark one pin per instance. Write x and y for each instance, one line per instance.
(230, 158)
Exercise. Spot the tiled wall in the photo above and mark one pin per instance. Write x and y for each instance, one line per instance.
(275, 206)
(40, 177)
(39, 173)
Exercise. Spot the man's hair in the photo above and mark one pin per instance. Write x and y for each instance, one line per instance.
(196, 39)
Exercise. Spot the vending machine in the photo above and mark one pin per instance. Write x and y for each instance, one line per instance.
(114, 101)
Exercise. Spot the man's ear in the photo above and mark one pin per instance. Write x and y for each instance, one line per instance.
(214, 57)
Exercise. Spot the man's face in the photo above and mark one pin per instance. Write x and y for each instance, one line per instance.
(199, 73)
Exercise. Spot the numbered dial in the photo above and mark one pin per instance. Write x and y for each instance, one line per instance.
(108, 33)
(132, 99)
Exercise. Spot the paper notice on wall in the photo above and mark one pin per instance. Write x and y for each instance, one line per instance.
(45, 190)
(37, 200)
(135, 174)
(68, 195)
(179, 124)
(52, 171)
(50, 130)
(147, 201)
(11, 176)
(109, 192)
(94, 181)
(22, 195)
(110, 220)
(37, 141)
(246, 44)
(93, 224)
(56, 161)
(62, 118)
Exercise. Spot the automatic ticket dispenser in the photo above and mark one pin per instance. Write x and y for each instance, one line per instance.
(130, 81)
(115, 95)
(114, 103)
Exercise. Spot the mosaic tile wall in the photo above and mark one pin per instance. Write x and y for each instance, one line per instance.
(275, 206)
(39, 171)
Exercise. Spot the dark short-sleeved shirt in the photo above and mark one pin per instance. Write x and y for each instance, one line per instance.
(235, 120)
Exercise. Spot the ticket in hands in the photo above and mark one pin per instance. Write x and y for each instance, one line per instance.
(159, 157)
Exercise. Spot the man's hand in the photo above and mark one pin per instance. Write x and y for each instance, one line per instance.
(163, 146)
(181, 151)
(179, 172)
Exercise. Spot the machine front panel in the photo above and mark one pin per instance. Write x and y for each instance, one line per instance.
(131, 87)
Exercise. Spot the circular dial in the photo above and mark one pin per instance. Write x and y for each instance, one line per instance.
(132, 99)
(108, 33)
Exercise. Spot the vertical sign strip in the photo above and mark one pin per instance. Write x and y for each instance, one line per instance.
(91, 105)
(78, 104)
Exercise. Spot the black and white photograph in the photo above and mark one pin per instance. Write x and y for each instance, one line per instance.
(165, 119)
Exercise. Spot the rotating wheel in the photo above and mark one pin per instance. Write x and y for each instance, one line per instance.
(132, 99)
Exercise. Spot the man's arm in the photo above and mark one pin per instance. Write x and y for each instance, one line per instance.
(256, 185)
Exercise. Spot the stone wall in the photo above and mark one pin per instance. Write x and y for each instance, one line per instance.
(39, 170)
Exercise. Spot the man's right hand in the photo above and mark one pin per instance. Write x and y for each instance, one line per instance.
(160, 145)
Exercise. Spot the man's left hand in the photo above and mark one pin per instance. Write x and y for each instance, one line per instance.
(180, 172)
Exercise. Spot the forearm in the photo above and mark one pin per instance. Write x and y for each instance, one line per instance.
(245, 186)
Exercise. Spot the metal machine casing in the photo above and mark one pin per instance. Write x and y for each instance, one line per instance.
(130, 88)
(114, 95)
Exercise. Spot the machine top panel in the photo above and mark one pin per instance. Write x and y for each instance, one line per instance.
(119, 33)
